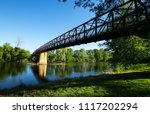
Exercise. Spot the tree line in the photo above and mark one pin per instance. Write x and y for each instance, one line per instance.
(124, 50)
(9, 53)
(68, 55)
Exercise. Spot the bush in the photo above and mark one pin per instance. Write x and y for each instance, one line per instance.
(137, 67)
(119, 68)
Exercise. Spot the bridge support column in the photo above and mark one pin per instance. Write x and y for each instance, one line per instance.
(43, 58)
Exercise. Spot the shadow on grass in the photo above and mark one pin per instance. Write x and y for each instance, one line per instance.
(116, 85)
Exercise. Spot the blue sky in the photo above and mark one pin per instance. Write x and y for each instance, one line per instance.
(35, 22)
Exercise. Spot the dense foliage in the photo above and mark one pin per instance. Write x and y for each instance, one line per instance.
(128, 50)
(8, 54)
(82, 55)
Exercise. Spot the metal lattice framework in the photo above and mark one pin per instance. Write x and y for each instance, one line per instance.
(128, 18)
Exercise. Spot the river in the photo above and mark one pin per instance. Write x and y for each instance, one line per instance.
(14, 74)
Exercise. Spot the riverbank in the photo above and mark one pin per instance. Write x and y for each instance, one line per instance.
(127, 84)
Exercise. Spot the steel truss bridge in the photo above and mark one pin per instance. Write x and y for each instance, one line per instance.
(131, 17)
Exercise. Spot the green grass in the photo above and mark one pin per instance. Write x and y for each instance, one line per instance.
(129, 84)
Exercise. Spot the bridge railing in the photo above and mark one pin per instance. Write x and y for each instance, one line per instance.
(119, 17)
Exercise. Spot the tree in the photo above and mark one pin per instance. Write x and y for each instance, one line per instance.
(15, 53)
(77, 56)
(80, 55)
(1, 54)
(7, 51)
(69, 55)
(106, 56)
(90, 54)
(61, 55)
(84, 56)
(35, 58)
(24, 55)
(98, 55)
(51, 56)
(128, 50)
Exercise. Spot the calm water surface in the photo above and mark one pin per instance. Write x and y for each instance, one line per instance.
(14, 74)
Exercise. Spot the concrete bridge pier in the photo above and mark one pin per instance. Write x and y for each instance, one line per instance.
(43, 58)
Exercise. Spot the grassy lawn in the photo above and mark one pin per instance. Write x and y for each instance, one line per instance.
(128, 84)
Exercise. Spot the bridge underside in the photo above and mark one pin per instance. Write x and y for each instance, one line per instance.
(141, 29)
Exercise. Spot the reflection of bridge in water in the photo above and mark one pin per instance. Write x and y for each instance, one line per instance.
(131, 17)
(40, 72)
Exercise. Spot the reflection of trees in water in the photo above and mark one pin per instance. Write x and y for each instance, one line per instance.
(60, 71)
(18, 69)
(50, 70)
(79, 67)
(90, 67)
(63, 70)
(69, 69)
(13, 69)
(4, 71)
(102, 66)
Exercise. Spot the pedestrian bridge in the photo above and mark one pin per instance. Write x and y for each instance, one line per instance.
(131, 17)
